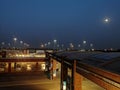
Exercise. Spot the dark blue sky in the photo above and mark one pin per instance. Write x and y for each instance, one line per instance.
(40, 21)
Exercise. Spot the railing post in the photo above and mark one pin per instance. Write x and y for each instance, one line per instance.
(64, 74)
(76, 78)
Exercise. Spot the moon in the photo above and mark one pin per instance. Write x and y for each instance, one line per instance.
(106, 20)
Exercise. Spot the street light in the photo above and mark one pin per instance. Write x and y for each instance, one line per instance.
(91, 46)
(58, 46)
(84, 45)
(84, 42)
(8, 45)
(62, 46)
(15, 40)
(21, 42)
(25, 45)
(71, 46)
(45, 45)
(55, 42)
(79, 46)
(49, 44)
(42, 46)
(3, 43)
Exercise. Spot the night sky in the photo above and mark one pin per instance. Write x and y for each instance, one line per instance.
(67, 21)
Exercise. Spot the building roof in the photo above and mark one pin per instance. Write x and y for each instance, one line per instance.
(109, 61)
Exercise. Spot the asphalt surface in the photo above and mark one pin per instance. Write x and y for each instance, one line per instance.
(28, 81)
(37, 81)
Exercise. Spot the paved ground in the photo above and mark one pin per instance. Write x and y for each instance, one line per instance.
(28, 81)
(31, 85)
(36, 81)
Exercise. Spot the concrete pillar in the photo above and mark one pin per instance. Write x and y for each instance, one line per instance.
(64, 72)
(9, 67)
(53, 66)
(54, 62)
(15, 66)
(36, 66)
(76, 78)
(47, 62)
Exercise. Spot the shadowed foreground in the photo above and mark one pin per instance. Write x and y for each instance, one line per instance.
(28, 81)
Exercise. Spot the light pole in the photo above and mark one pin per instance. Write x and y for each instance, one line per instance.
(15, 40)
(58, 46)
(49, 44)
(79, 46)
(55, 42)
(42, 45)
(91, 46)
(84, 45)
(3, 43)
(25, 45)
(45, 45)
(8, 45)
(21, 42)
(71, 46)
(62, 46)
